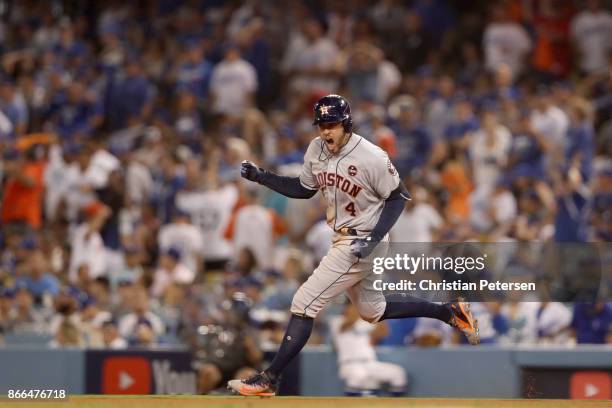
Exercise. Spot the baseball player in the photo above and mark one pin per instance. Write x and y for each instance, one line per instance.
(364, 198)
(359, 368)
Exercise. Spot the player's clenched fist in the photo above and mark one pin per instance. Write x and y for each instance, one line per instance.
(250, 171)
(363, 247)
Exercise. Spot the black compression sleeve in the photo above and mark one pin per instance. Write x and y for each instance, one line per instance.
(287, 186)
(394, 205)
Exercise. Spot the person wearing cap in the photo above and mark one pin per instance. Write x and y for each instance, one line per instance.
(92, 319)
(181, 233)
(110, 336)
(141, 325)
(192, 72)
(171, 271)
(37, 279)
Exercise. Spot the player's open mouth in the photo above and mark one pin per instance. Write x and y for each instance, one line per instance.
(329, 141)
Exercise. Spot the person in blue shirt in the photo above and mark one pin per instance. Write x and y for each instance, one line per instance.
(77, 115)
(413, 139)
(38, 281)
(168, 181)
(592, 323)
(193, 74)
(464, 121)
(572, 205)
(129, 96)
(526, 151)
(580, 137)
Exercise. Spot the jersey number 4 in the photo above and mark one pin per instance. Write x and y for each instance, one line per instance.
(350, 208)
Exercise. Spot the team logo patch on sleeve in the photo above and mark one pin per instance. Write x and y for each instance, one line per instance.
(390, 167)
(352, 170)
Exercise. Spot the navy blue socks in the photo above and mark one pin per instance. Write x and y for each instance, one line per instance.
(409, 306)
(297, 334)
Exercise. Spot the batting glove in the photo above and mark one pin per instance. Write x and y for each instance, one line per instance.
(251, 171)
(363, 247)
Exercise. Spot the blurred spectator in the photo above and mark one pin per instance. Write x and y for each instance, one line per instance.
(13, 105)
(601, 216)
(87, 244)
(527, 151)
(592, 323)
(68, 335)
(553, 320)
(440, 109)
(572, 206)
(77, 114)
(111, 337)
(38, 279)
(188, 124)
(192, 72)
(591, 31)
(23, 191)
(549, 124)
(493, 210)
(413, 140)
(458, 186)
(489, 149)
(580, 137)
(420, 221)
(26, 318)
(505, 42)
(171, 271)
(141, 327)
(382, 135)
(167, 181)
(233, 84)
(254, 220)
(129, 96)
(210, 210)
(551, 50)
(416, 43)
(369, 76)
(359, 368)
(181, 233)
(310, 60)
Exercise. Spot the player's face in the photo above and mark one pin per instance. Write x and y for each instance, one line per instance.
(333, 135)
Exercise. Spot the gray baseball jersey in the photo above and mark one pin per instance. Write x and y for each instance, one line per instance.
(355, 182)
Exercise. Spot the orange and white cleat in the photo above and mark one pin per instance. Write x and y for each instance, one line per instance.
(463, 320)
(259, 385)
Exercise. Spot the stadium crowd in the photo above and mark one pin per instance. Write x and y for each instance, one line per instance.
(123, 125)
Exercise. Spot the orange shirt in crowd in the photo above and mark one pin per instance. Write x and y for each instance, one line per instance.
(22, 202)
(456, 181)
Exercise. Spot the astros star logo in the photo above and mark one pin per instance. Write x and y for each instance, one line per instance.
(324, 109)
